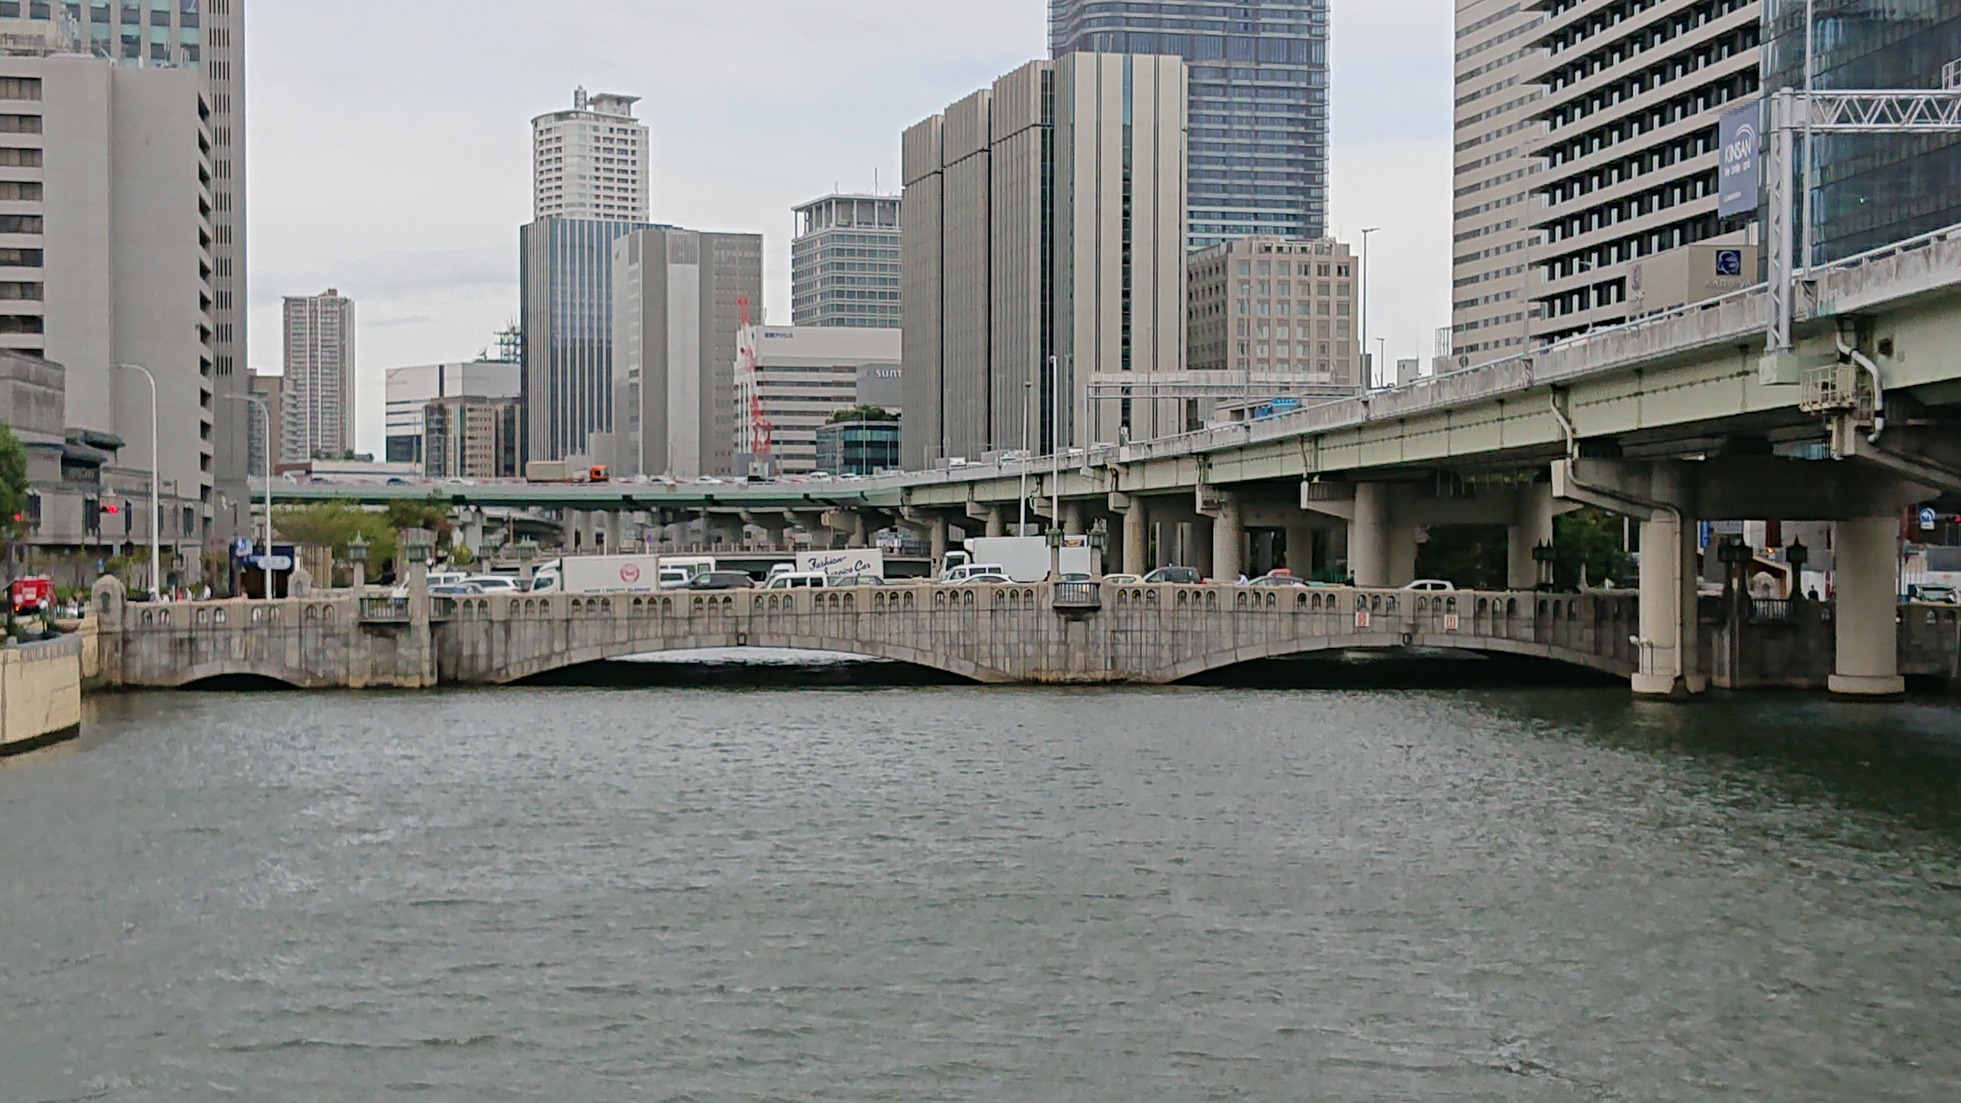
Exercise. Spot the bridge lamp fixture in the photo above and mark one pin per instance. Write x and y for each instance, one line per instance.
(357, 550)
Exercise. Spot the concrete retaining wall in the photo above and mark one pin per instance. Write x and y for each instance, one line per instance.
(40, 694)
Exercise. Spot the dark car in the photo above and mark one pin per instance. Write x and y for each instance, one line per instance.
(1183, 576)
(722, 580)
(857, 580)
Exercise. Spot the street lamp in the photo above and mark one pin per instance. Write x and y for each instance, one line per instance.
(1366, 231)
(1027, 422)
(156, 488)
(266, 552)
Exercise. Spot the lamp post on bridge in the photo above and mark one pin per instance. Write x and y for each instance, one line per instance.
(357, 556)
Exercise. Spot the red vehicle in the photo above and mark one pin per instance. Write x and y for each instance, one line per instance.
(31, 596)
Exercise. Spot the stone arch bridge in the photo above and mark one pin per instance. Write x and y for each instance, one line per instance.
(1133, 634)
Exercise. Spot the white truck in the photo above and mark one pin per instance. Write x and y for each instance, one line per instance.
(614, 574)
(1026, 558)
(843, 563)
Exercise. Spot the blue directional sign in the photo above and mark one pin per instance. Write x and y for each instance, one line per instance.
(1927, 520)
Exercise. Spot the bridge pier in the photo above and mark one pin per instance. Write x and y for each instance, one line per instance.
(1866, 566)
(1531, 528)
(1228, 523)
(1135, 542)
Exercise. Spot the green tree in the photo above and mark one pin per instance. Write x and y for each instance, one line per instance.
(431, 513)
(335, 525)
(13, 487)
(865, 413)
(1589, 541)
(1471, 556)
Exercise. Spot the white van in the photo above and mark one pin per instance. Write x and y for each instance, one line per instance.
(797, 580)
(975, 572)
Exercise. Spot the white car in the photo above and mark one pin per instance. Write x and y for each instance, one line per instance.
(1432, 584)
(494, 583)
(972, 573)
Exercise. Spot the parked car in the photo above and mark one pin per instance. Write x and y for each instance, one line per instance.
(722, 580)
(1182, 576)
(1078, 576)
(858, 580)
(798, 580)
(1121, 580)
(494, 583)
(457, 589)
(1280, 578)
(1433, 584)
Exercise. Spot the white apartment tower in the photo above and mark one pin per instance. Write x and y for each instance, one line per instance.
(319, 342)
(590, 162)
(1492, 169)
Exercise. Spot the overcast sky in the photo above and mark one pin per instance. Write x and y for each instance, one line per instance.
(389, 141)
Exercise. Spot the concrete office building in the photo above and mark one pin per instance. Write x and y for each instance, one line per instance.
(411, 389)
(1634, 98)
(472, 437)
(1273, 318)
(319, 388)
(205, 37)
(799, 377)
(1872, 190)
(1044, 224)
(677, 304)
(106, 256)
(590, 162)
(1492, 165)
(270, 390)
(844, 262)
(1259, 102)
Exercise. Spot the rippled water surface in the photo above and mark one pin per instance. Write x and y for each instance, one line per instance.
(960, 894)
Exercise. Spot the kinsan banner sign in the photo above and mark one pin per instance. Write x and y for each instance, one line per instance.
(1739, 172)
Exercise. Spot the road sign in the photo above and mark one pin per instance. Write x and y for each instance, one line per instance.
(1927, 520)
(242, 548)
(279, 562)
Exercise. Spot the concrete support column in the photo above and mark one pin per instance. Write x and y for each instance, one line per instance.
(1072, 519)
(1670, 659)
(997, 525)
(615, 541)
(939, 535)
(1532, 528)
(860, 530)
(1866, 579)
(1137, 538)
(1228, 539)
(1369, 537)
(1198, 541)
(1300, 547)
(727, 529)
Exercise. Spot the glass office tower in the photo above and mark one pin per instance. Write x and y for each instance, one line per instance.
(1872, 190)
(1258, 107)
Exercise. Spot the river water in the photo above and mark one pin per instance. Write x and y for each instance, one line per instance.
(930, 893)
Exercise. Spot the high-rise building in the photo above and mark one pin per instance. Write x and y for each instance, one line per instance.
(411, 389)
(565, 291)
(106, 254)
(1259, 102)
(678, 299)
(319, 343)
(267, 431)
(472, 437)
(1632, 110)
(844, 262)
(797, 377)
(206, 37)
(1871, 190)
(1273, 318)
(1043, 244)
(590, 162)
(1496, 123)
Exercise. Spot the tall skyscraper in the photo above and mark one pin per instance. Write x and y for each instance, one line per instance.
(590, 162)
(1872, 190)
(1496, 123)
(565, 291)
(678, 302)
(589, 190)
(319, 391)
(1259, 102)
(411, 389)
(206, 37)
(1043, 241)
(844, 262)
